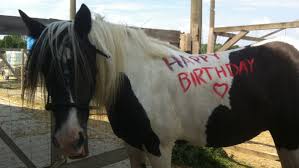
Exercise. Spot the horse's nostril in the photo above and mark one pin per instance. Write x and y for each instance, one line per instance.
(55, 142)
(80, 141)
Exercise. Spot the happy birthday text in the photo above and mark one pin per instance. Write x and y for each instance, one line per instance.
(205, 74)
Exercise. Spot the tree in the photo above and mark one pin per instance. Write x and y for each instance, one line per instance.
(12, 41)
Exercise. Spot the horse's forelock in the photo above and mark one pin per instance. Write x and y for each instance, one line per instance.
(52, 43)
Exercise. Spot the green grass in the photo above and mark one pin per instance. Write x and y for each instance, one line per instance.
(184, 154)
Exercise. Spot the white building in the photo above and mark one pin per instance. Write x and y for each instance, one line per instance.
(14, 58)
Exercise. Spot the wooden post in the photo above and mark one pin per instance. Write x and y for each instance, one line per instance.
(22, 74)
(185, 42)
(196, 25)
(72, 9)
(212, 35)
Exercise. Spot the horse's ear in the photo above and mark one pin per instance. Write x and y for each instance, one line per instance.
(82, 21)
(34, 27)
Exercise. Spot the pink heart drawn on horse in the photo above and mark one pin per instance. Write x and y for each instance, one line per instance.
(220, 89)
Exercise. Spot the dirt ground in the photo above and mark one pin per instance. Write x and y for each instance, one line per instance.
(30, 129)
(252, 160)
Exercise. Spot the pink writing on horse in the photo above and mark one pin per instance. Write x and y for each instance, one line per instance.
(183, 62)
(203, 75)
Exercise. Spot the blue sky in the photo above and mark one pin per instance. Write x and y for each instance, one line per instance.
(167, 14)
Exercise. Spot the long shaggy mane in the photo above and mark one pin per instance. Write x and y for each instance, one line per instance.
(109, 38)
(113, 40)
(57, 43)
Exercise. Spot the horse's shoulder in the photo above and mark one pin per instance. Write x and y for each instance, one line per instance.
(129, 120)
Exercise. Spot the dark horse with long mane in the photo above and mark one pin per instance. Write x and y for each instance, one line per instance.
(155, 94)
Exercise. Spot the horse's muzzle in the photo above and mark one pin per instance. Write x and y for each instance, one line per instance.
(77, 150)
(85, 151)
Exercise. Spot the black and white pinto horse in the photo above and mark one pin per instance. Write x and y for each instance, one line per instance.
(155, 95)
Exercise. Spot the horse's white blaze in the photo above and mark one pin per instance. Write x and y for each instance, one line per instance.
(289, 158)
(69, 131)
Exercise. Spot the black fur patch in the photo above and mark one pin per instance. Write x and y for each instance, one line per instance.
(129, 120)
(263, 100)
(34, 27)
(83, 21)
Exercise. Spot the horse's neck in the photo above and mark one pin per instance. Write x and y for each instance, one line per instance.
(133, 55)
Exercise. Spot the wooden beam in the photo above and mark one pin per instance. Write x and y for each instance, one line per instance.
(274, 32)
(212, 35)
(171, 36)
(282, 25)
(10, 49)
(249, 38)
(100, 160)
(229, 39)
(233, 41)
(22, 74)
(72, 9)
(196, 25)
(16, 150)
(15, 25)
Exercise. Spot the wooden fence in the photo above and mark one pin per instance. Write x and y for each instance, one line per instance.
(240, 32)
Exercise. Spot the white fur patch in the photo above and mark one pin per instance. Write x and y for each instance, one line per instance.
(69, 130)
(176, 114)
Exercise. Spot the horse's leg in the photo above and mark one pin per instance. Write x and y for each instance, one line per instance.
(136, 156)
(287, 146)
(164, 161)
(288, 158)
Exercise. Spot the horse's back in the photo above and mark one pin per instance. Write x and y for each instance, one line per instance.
(222, 99)
(263, 100)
